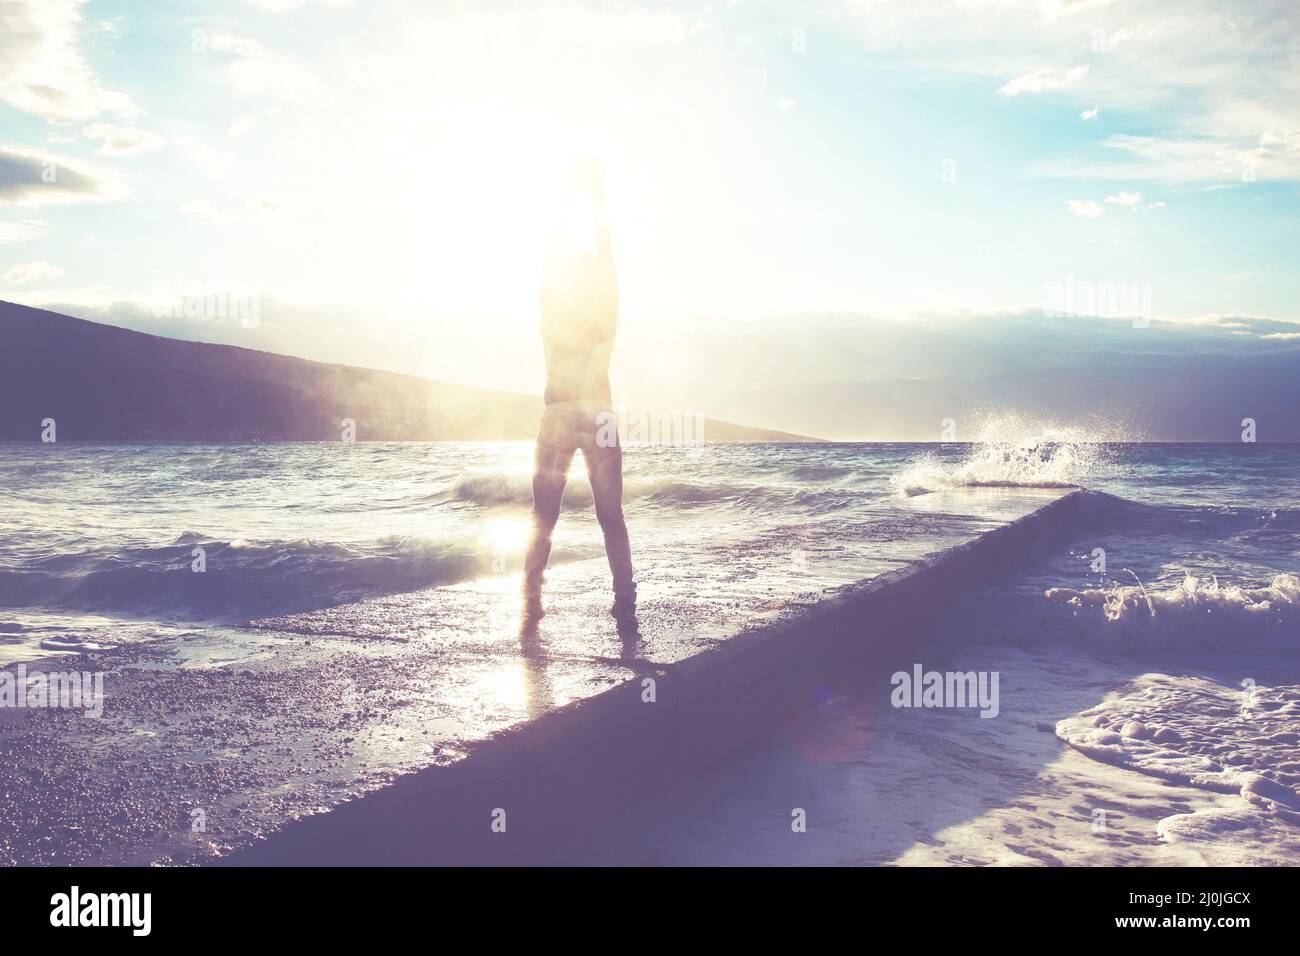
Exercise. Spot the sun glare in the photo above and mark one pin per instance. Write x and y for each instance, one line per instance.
(506, 535)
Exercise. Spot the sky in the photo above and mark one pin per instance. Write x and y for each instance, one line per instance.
(377, 177)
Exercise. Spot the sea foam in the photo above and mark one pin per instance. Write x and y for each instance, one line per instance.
(1010, 452)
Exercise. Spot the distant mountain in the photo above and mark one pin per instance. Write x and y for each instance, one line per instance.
(104, 383)
(1190, 398)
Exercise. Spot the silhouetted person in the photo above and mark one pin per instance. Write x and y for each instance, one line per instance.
(579, 311)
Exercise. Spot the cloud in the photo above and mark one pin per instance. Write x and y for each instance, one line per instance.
(786, 103)
(281, 6)
(1040, 81)
(113, 27)
(31, 271)
(1216, 81)
(1171, 161)
(1132, 202)
(1105, 44)
(202, 209)
(223, 41)
(1287, 141)
(615, 27)
(254, 69)
(42, 69)
(33, 179)
(122, 140)
(1203, 160)
(372, 69)
(269, 75)
(1085, 208)
(1089, 114)
(22, 230)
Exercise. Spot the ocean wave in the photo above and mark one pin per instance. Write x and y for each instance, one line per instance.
(243, 579)
(1252, 528)
(1032, 464)
(1199, 612)
(824, 472)
(489, 489)
(496, 489)
(1009, 453)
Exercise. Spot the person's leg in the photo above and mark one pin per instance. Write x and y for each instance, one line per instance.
(605, 471)
(550, 472)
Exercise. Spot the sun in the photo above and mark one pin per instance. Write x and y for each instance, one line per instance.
(488, 201)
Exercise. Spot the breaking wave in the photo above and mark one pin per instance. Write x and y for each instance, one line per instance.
(1200, 612)
(1009, 452)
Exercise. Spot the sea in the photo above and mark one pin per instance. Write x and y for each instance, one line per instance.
(1149, 666)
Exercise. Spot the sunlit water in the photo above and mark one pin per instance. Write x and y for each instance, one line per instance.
(1145, 664)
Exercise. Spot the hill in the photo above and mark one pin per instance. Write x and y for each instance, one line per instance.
(105, 383)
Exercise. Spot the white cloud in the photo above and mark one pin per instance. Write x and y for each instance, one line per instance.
(1282, 139)
(42, 69)
(1089, 114)
(269, 75)
(1205, 160)
(31, 271)
(1105, 44)
(1173, 161)
(280, 6)
(240, 127)
(1090, 209)
(1085, 208)
(372, 69)
(122, 140)
(223, 41)
(1219, 79)
(1040, 81)
(113, 27)
(22, 230)
(786, 103)
(255, 69)
(1132, 202)
(202, 209)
